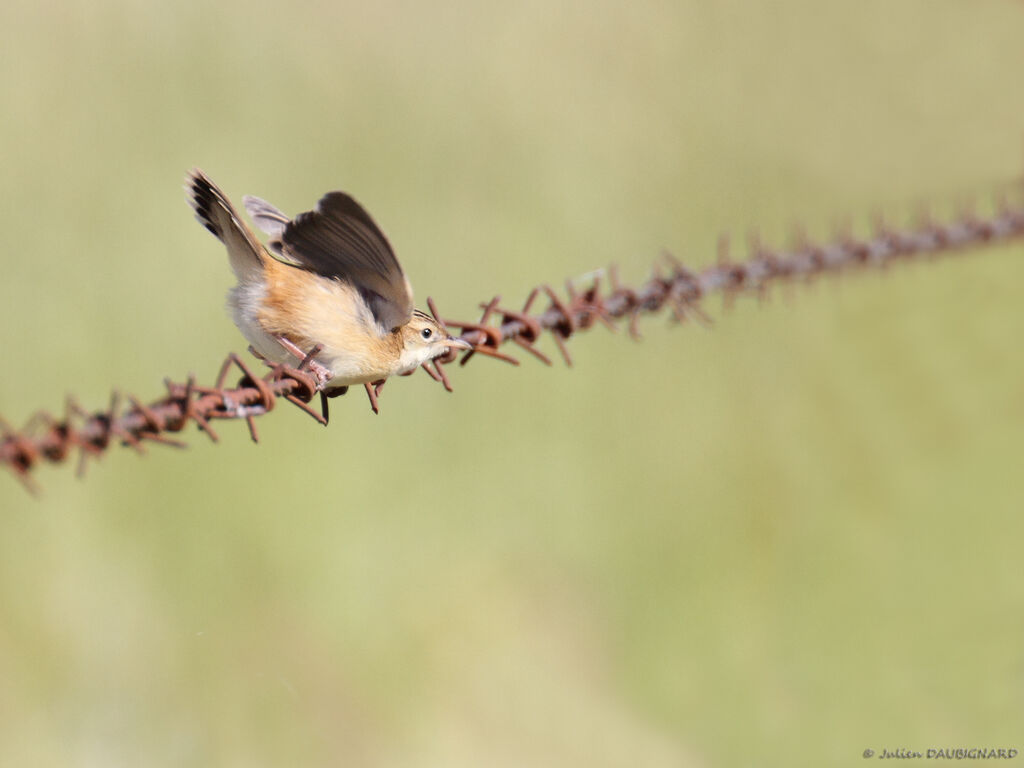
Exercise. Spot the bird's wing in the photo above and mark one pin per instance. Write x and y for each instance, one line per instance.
(340, 240)
(265, 216)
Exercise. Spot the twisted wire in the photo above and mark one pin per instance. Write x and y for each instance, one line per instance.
(605, 300)
(683, 290)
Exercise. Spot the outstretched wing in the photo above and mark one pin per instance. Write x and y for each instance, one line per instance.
(340, 240)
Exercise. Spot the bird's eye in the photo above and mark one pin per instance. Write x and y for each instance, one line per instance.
(426, 333)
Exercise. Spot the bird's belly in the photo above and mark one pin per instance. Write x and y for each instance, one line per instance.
(349, 370)
(244, 301)
(350, 353)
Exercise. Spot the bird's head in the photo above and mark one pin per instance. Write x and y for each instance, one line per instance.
(423, 339)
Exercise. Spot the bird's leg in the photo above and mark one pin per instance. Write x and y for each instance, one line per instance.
(322, 373)
(372, 390)
(326, 393)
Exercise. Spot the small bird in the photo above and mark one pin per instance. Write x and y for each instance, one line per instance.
(326, 290)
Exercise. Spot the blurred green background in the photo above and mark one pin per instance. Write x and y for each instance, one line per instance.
(783, 540)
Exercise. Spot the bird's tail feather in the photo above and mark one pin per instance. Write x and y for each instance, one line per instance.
(215, 212)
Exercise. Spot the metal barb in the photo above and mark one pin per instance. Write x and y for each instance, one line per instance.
(680, 290)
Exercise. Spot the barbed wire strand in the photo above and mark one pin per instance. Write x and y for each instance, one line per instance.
(604, 300)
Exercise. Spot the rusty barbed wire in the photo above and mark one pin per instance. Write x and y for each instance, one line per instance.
(684, 290)
(604, 300)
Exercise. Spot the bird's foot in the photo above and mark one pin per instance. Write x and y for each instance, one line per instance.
(326, 393)
(320, 372)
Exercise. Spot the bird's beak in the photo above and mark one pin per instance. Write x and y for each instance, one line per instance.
(454, 343)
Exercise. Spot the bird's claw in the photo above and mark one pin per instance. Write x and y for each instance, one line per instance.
(320, 372)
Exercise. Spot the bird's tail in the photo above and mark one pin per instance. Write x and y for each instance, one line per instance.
(215, 212)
